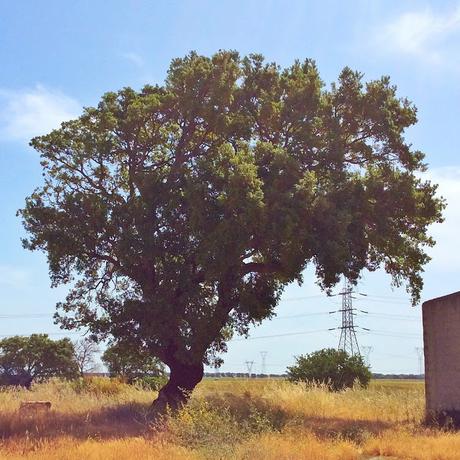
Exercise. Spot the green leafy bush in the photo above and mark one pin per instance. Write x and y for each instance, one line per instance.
(336, 368)
(152, 382)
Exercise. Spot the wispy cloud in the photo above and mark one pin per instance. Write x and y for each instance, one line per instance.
(134, 58)
(431, 36)
(444, 254)
(34, 111)
(12, 276)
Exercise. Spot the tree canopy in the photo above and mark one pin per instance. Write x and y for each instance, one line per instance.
(131, 364)
(180, 212)
(24, 360)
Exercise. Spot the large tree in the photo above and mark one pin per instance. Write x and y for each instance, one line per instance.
(180, 212)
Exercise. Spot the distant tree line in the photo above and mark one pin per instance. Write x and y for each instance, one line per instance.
(25, 360)
(219, 375)
(399, 376)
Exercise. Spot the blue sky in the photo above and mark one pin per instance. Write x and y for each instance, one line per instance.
(60, 56)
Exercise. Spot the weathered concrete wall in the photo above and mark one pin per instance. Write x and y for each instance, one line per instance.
(441, 335)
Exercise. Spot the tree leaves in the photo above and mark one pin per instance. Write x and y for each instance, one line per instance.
(183, 210)
(35, 358)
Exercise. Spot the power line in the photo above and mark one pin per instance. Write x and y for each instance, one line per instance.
(301, 315)
(391, 334)
(290, 299)
(388, 302)
(366, 330)
(279, 335)
(388, 316)
(393, 316)
(388, 297)
(294, 299)
(27, 315)
(406, 334)
(392, 355)
(380, 315)
(47, 333)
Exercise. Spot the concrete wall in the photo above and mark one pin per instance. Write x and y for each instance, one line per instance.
(441, 335)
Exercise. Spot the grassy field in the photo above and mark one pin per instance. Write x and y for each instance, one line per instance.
(226, 419)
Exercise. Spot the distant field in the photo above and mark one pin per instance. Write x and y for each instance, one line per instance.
(226, 419)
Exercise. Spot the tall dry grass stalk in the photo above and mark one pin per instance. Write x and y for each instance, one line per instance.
(226, 419)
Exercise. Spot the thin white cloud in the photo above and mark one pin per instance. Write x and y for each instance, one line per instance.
(12, 276)
(134, 58)
(34, 111)
(431, 36)
(445, 252)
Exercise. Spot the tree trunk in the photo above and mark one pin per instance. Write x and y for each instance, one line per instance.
(183, 378)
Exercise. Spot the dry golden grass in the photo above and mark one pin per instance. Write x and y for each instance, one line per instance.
(226, 419)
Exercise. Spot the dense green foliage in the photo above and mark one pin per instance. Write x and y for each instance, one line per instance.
(24, 360)
(336, 368)
(152, 383)
(131, 364)
(181, 211)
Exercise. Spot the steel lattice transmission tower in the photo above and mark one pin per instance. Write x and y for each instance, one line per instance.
(348, 341)
(249, 365)
(366, 353)
(263, 354)
(419, 351)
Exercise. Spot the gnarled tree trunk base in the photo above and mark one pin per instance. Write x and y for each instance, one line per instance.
(175, 394)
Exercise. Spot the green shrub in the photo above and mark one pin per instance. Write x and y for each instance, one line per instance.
(335, 368)
(152, 383)
(215, 430)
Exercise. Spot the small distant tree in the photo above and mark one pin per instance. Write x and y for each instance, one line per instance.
(131, 364)
(24, 360)
(84, 352)
(335, 368)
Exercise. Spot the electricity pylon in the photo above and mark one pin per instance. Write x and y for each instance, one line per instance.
(366, 354)
(263, 354)
(419, 351)
(249, 365)
(348, 341)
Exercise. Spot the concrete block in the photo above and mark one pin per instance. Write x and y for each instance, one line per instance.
(441, 336)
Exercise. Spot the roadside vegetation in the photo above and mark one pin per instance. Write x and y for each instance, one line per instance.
(103, 418)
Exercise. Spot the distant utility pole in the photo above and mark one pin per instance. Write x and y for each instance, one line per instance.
(366, 354)
(263, 354)
(249, 365)
(419, 351)
(348, 341)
